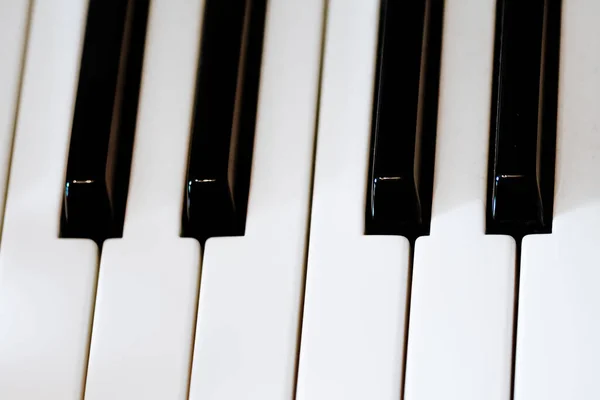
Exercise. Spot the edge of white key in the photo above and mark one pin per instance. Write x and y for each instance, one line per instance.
(14, 17)
(250, 300)
(558, 330)
(353, 328)
(142, 338)
(46, 283)
(462, 298)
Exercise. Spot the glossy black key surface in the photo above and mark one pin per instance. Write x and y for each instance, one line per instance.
(523, 128)
(218, 174)
(104, 120)
(404, 118)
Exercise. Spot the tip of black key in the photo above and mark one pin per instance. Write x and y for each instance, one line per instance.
(104, 120)
(517, 204)
(86, 210)
(523, 128)
(399, 189)
(395, 206)
(210, 210)
(218, 172)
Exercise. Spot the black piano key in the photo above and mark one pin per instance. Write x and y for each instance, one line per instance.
(523, 128)
(218, 174)
(104, 120)
(404, 118)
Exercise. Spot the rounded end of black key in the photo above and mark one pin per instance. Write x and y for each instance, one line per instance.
(394, 208)
(517, 206)
(86, 211)
(209, 210)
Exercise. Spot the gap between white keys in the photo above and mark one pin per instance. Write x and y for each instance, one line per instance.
(249, 307)
(355, 299)
(142, 337)
(46, 283)
(461, 314)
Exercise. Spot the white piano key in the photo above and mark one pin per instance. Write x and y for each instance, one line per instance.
(460, 328)
(142, 337)
(46, 284)
(250, 299)
(558, 351)
(355, 299)
(14, 23)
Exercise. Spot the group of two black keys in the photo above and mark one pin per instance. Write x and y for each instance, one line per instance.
(520, 183)
(399, 187)
(222, 129)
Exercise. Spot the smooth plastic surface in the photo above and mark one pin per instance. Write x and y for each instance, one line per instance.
(104, 119)
(251, 293)
(224, 119)
(461, 313)
(523, 120)
(144, 320)
(46, 304)
(355, 300)
(46, 284)
(558, 329)
(142, 337)
(404, 118)
(461, 316)
(14, 23)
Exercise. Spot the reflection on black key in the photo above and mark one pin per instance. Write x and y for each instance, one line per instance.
(104, 120)
(404, 118)
(523, 128)
(225, 112)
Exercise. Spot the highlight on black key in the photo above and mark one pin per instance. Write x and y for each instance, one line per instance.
(523, 118)
(404, 122)
(218, 175)
(104, 119)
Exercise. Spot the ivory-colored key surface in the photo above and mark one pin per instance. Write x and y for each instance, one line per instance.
(461, 312)
(142, 339)
(46, 284)
(250, 298)
(355, 300)
(14, 24)
(558, 346)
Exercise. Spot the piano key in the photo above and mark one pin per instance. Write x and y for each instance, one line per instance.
(523, 129)
(104, 120)
(404, 118)
(223, 128)
(250, 300)
(14, 25)
(352, 340)
(557, 347)
(462, 295)
(46, 284)
(143, 326)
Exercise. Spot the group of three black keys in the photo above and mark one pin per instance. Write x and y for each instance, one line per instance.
(399, 187)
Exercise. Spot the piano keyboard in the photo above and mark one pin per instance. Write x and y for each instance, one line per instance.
(310, 200)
